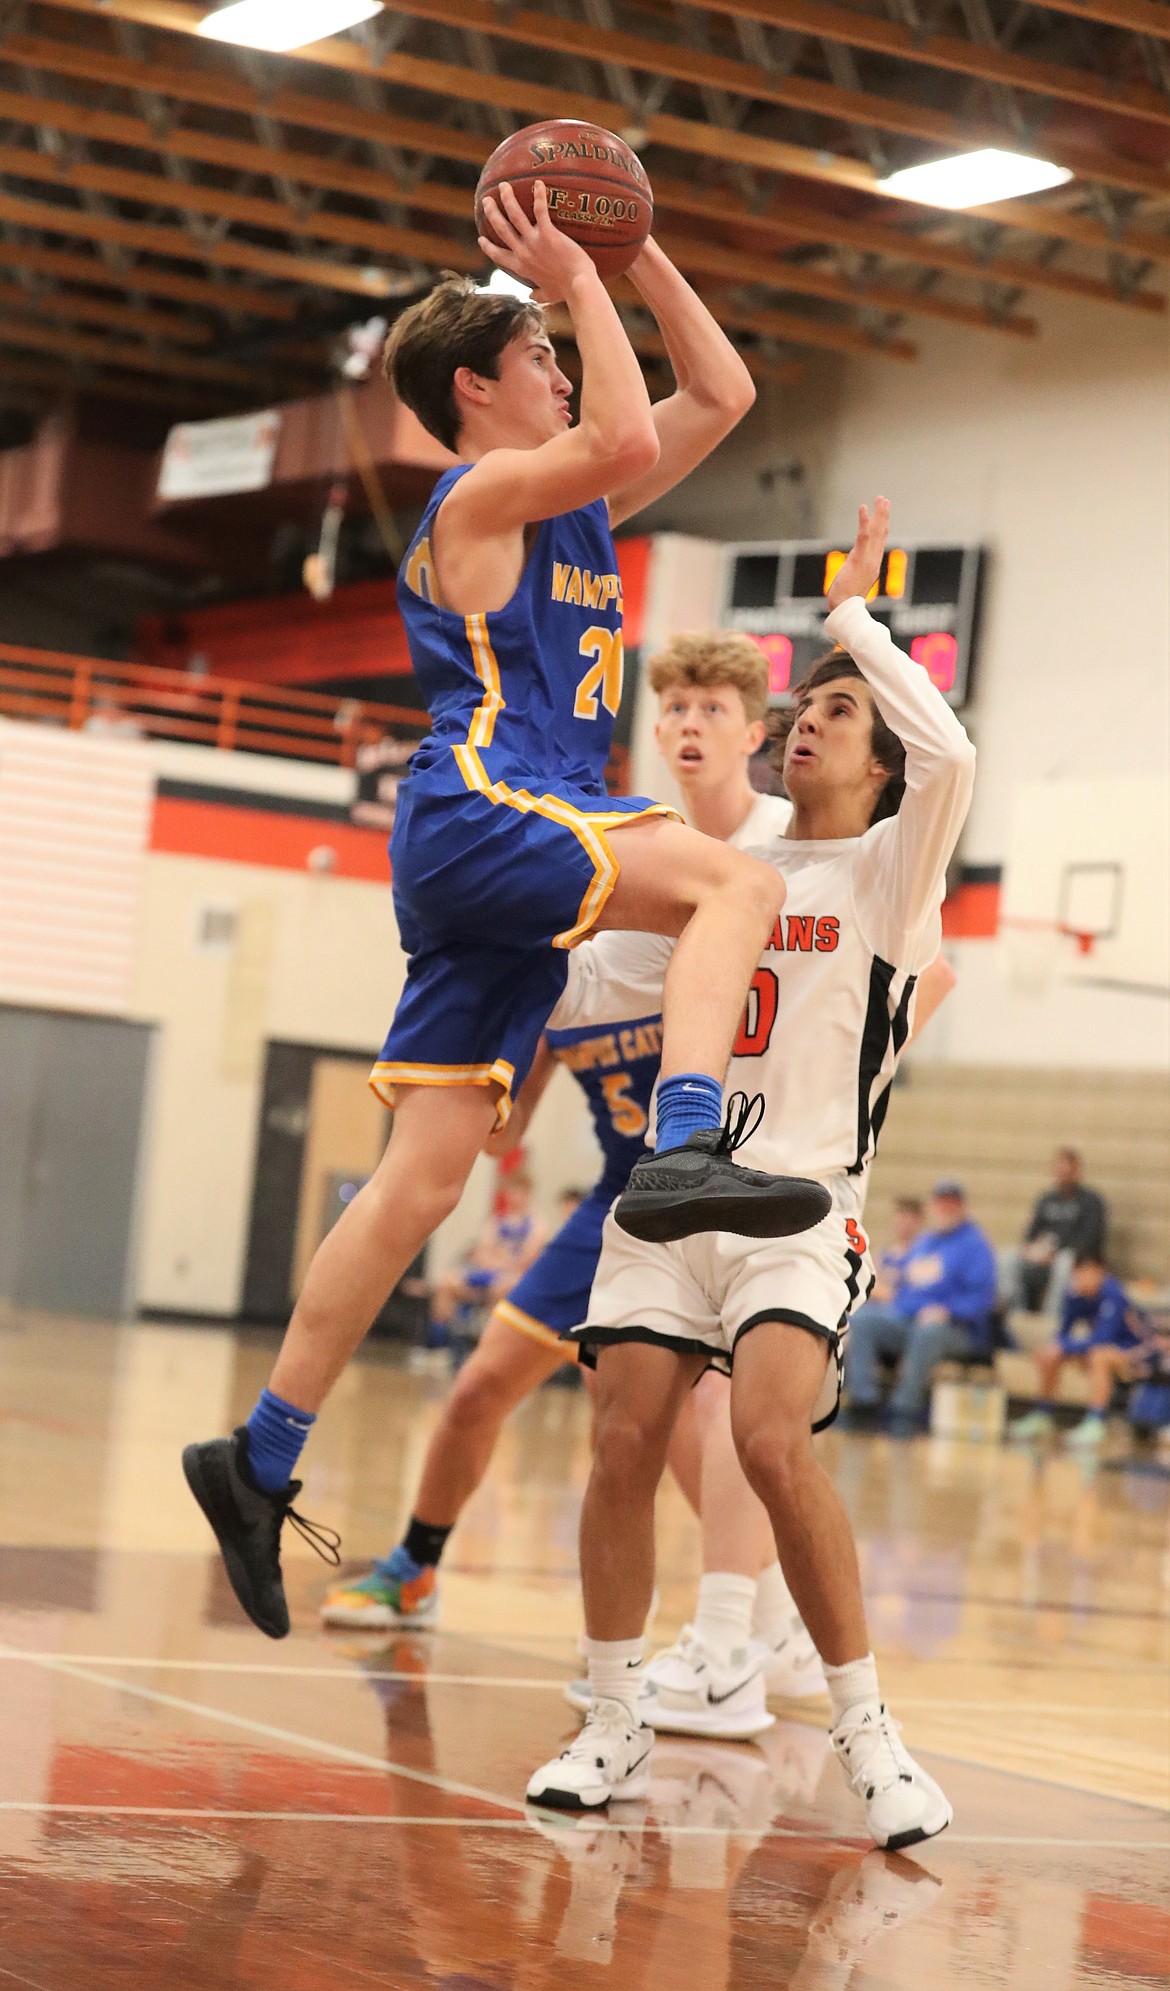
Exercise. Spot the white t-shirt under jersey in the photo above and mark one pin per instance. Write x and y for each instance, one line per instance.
(831, 1004)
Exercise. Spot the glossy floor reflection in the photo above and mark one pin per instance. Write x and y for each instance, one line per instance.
(184, 1804)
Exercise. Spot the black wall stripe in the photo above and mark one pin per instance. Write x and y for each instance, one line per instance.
(253, 798)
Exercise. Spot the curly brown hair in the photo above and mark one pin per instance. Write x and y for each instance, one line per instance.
(711, 658)
(456, 324)
(887, 748)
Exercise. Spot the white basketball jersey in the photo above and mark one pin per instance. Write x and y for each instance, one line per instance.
(831, 1003)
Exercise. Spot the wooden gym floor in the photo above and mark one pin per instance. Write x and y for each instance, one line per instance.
(184, 1804)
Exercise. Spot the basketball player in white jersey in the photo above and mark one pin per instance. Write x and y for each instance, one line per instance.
(880, 773)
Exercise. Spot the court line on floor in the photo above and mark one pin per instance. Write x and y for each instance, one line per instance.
(210, 1815)
(517, 1681)
(335, 1750)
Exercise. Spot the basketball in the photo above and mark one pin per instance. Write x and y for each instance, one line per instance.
(598, 191)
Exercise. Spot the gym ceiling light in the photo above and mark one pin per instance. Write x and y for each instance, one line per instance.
(972, 179)
(279, 25)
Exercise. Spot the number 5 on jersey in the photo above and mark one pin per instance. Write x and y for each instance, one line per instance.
(604, 674)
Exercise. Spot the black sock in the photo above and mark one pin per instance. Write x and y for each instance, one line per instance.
(424, 1544)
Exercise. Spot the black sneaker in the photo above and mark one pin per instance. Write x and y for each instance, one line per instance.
(699, 1188)
(247, 1522)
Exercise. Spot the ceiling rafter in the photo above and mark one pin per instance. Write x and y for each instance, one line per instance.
(73, 268)
(60, 338)
(54, 218)
(542, 99)
(690, 252)
(183, 397)
(55, 301)
(220, 87)
(987, 61)
(1139, 17)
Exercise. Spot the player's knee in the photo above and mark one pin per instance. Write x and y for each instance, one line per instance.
(629, 1450)
(477, 1398)
(773, 1453)
(756, 884)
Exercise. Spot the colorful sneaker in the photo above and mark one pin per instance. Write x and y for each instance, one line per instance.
(792, 1669)
(686, 1691)
(608, 1759)
(396, 1592)
(902, 1804)
(1032, 1429)
(1088, 1434)
(247, 1520)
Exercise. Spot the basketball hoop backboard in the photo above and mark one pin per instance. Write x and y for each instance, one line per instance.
(1086, 889)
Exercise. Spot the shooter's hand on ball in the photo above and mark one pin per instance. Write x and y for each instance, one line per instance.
(861, 570)
(536, 251)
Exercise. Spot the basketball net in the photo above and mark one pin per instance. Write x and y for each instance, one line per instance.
(1034, 950)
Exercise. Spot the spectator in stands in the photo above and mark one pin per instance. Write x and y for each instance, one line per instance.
(1068, 1220)
(907, 1223)
(506, 1246)
(1102, 1332)
(942, 1312)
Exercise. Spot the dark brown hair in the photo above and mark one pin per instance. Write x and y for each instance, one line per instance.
(456, 324)
(887, 748)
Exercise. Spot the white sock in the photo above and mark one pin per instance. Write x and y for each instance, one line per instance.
(615, 1671)
(723, 1619)
(775, 1610)
(851, 1685)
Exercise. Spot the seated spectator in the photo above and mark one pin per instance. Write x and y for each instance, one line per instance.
(941, 1312)
(1068, 1220)
(506, 1246)
(1102, 1332)
(907, 1223)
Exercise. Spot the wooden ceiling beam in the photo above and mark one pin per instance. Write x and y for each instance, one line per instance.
(1139, 17)
(953, 53)
(539, 100)
(703, 258)
(437, 251)
(109, 352)
(152, 239)
(784, 221)
(239, 298)
(58, 380)
(310, 170)
(72, 304)
(556, 35)
(223, 88)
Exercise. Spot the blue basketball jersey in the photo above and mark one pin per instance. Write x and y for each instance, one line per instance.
(617, 1069)
(531, 689)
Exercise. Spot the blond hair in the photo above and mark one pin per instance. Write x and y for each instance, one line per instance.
(709, 659)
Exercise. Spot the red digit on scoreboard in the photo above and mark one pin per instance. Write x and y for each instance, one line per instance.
(938, 654)
(778, 650)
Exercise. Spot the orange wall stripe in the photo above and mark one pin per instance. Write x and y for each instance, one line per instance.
(260, 836)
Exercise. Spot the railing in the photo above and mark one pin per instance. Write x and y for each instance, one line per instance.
(140, 700)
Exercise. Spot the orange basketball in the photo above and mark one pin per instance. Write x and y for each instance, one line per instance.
(598, 191)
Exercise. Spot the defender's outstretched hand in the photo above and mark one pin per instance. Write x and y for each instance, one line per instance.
(536, 251)
(860, 571)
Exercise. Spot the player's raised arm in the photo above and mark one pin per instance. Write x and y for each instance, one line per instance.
(713, 390)
(615, 440)
(906, 866)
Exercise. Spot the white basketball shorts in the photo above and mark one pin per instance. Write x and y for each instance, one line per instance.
(707, 1291)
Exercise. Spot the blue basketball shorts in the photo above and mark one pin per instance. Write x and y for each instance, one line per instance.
(490, 890)
(552, 1297)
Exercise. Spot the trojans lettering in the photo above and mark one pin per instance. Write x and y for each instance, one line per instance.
(585, 590)
(805, 933)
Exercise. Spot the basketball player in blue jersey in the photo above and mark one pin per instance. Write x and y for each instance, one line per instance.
(524, 1341)
(506, 849)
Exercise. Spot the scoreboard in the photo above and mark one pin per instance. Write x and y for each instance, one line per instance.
(928, 597)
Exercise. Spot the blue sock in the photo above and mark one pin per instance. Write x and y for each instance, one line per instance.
(687, 1103)
(276, 1438)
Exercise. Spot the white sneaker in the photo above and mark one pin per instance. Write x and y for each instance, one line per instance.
(902, 1804)
(685, 1691)
(793, 1670)
(608, 1759)
(1088, 1435)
